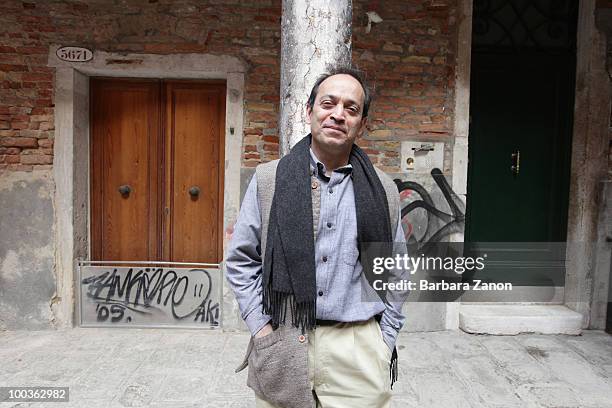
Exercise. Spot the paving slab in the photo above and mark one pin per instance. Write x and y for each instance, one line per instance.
(116, 368)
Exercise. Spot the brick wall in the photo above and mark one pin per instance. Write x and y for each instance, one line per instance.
(249, 30)
(409, 58)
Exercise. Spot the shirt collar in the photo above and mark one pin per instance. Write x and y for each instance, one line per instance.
(317, 168)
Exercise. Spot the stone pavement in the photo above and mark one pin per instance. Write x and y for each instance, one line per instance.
(189, 368)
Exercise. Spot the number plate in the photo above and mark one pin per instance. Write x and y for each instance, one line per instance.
(74, 54)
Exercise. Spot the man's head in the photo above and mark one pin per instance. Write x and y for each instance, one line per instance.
(337, 110)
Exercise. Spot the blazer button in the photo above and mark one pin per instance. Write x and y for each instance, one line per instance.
(302, 338)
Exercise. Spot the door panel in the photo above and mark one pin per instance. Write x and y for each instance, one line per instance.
(194, 153)
(125, 133)
(520, 104)
(163, 140)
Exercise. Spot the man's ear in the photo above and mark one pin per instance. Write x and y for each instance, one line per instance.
(362, 128)
(308, 113)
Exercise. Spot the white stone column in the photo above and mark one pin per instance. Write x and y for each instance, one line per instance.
(589, 161)
(315, 34)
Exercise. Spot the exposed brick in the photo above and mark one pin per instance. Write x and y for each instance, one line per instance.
(36, 159)
(20, 167)
(13, 68)
(45, 143)
(270, 147)
(18, 142)
(416, 59)
(10, 158)
(46, 126)
(409, 60)
(271, 139)
(393, 47)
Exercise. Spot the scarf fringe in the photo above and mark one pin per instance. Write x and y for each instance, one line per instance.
(393, 367)
(303, 314)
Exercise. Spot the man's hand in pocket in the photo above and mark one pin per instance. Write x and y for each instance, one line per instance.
(264, 331)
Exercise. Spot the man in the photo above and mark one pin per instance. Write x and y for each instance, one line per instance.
(296, 263)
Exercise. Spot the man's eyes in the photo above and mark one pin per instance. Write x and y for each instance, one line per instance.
(330, 104)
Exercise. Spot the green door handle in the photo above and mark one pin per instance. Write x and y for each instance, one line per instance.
(516, 162)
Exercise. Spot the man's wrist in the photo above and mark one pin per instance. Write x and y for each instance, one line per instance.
(264, 331)
(389, 335)
(256, 320)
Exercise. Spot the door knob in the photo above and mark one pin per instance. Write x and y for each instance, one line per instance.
(125, 190)
(194, 192)
(516, 162)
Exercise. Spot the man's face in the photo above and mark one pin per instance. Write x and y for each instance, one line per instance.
(336, 117)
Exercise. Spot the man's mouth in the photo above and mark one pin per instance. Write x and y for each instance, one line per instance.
(338, 128)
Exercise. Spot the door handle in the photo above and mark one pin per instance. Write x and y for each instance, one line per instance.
(125, 190)
(516, 162)
(194, 192)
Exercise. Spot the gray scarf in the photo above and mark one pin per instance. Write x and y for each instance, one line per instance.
(289, 274)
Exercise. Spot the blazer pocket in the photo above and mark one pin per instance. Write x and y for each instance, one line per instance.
(245, 360)
(278, 370)
(267, 341)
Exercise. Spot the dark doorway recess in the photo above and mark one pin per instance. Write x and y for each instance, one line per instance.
(521, 119)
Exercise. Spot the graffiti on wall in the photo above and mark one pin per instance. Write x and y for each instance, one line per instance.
(150, 296)
(430, 217)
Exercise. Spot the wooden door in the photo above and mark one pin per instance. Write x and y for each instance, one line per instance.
(156, 175)
(125, 133)
(194, 178)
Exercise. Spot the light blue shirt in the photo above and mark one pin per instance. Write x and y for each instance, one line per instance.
(339, 278)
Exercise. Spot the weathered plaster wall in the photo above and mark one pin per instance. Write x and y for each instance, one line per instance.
(27, 284)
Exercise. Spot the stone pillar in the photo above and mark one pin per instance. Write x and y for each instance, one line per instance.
(589, 161)
(315, 34)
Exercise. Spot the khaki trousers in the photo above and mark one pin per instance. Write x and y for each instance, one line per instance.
(348, 366)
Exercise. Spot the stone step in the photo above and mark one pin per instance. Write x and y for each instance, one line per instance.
(511, 319)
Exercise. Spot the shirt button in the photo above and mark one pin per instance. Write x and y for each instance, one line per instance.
(301, 338)
(329, 225)
(320, 293)
(331, 190)
(314, 185)
(324, 259)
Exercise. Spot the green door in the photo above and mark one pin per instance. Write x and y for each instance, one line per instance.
(519, 148)
(521, 119)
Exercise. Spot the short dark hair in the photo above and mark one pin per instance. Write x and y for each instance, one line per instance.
(355, 73)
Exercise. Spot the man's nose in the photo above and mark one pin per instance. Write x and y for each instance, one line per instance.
(338, 112)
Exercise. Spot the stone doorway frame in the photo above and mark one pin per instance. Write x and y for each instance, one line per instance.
(71, 147)
(588, 158)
